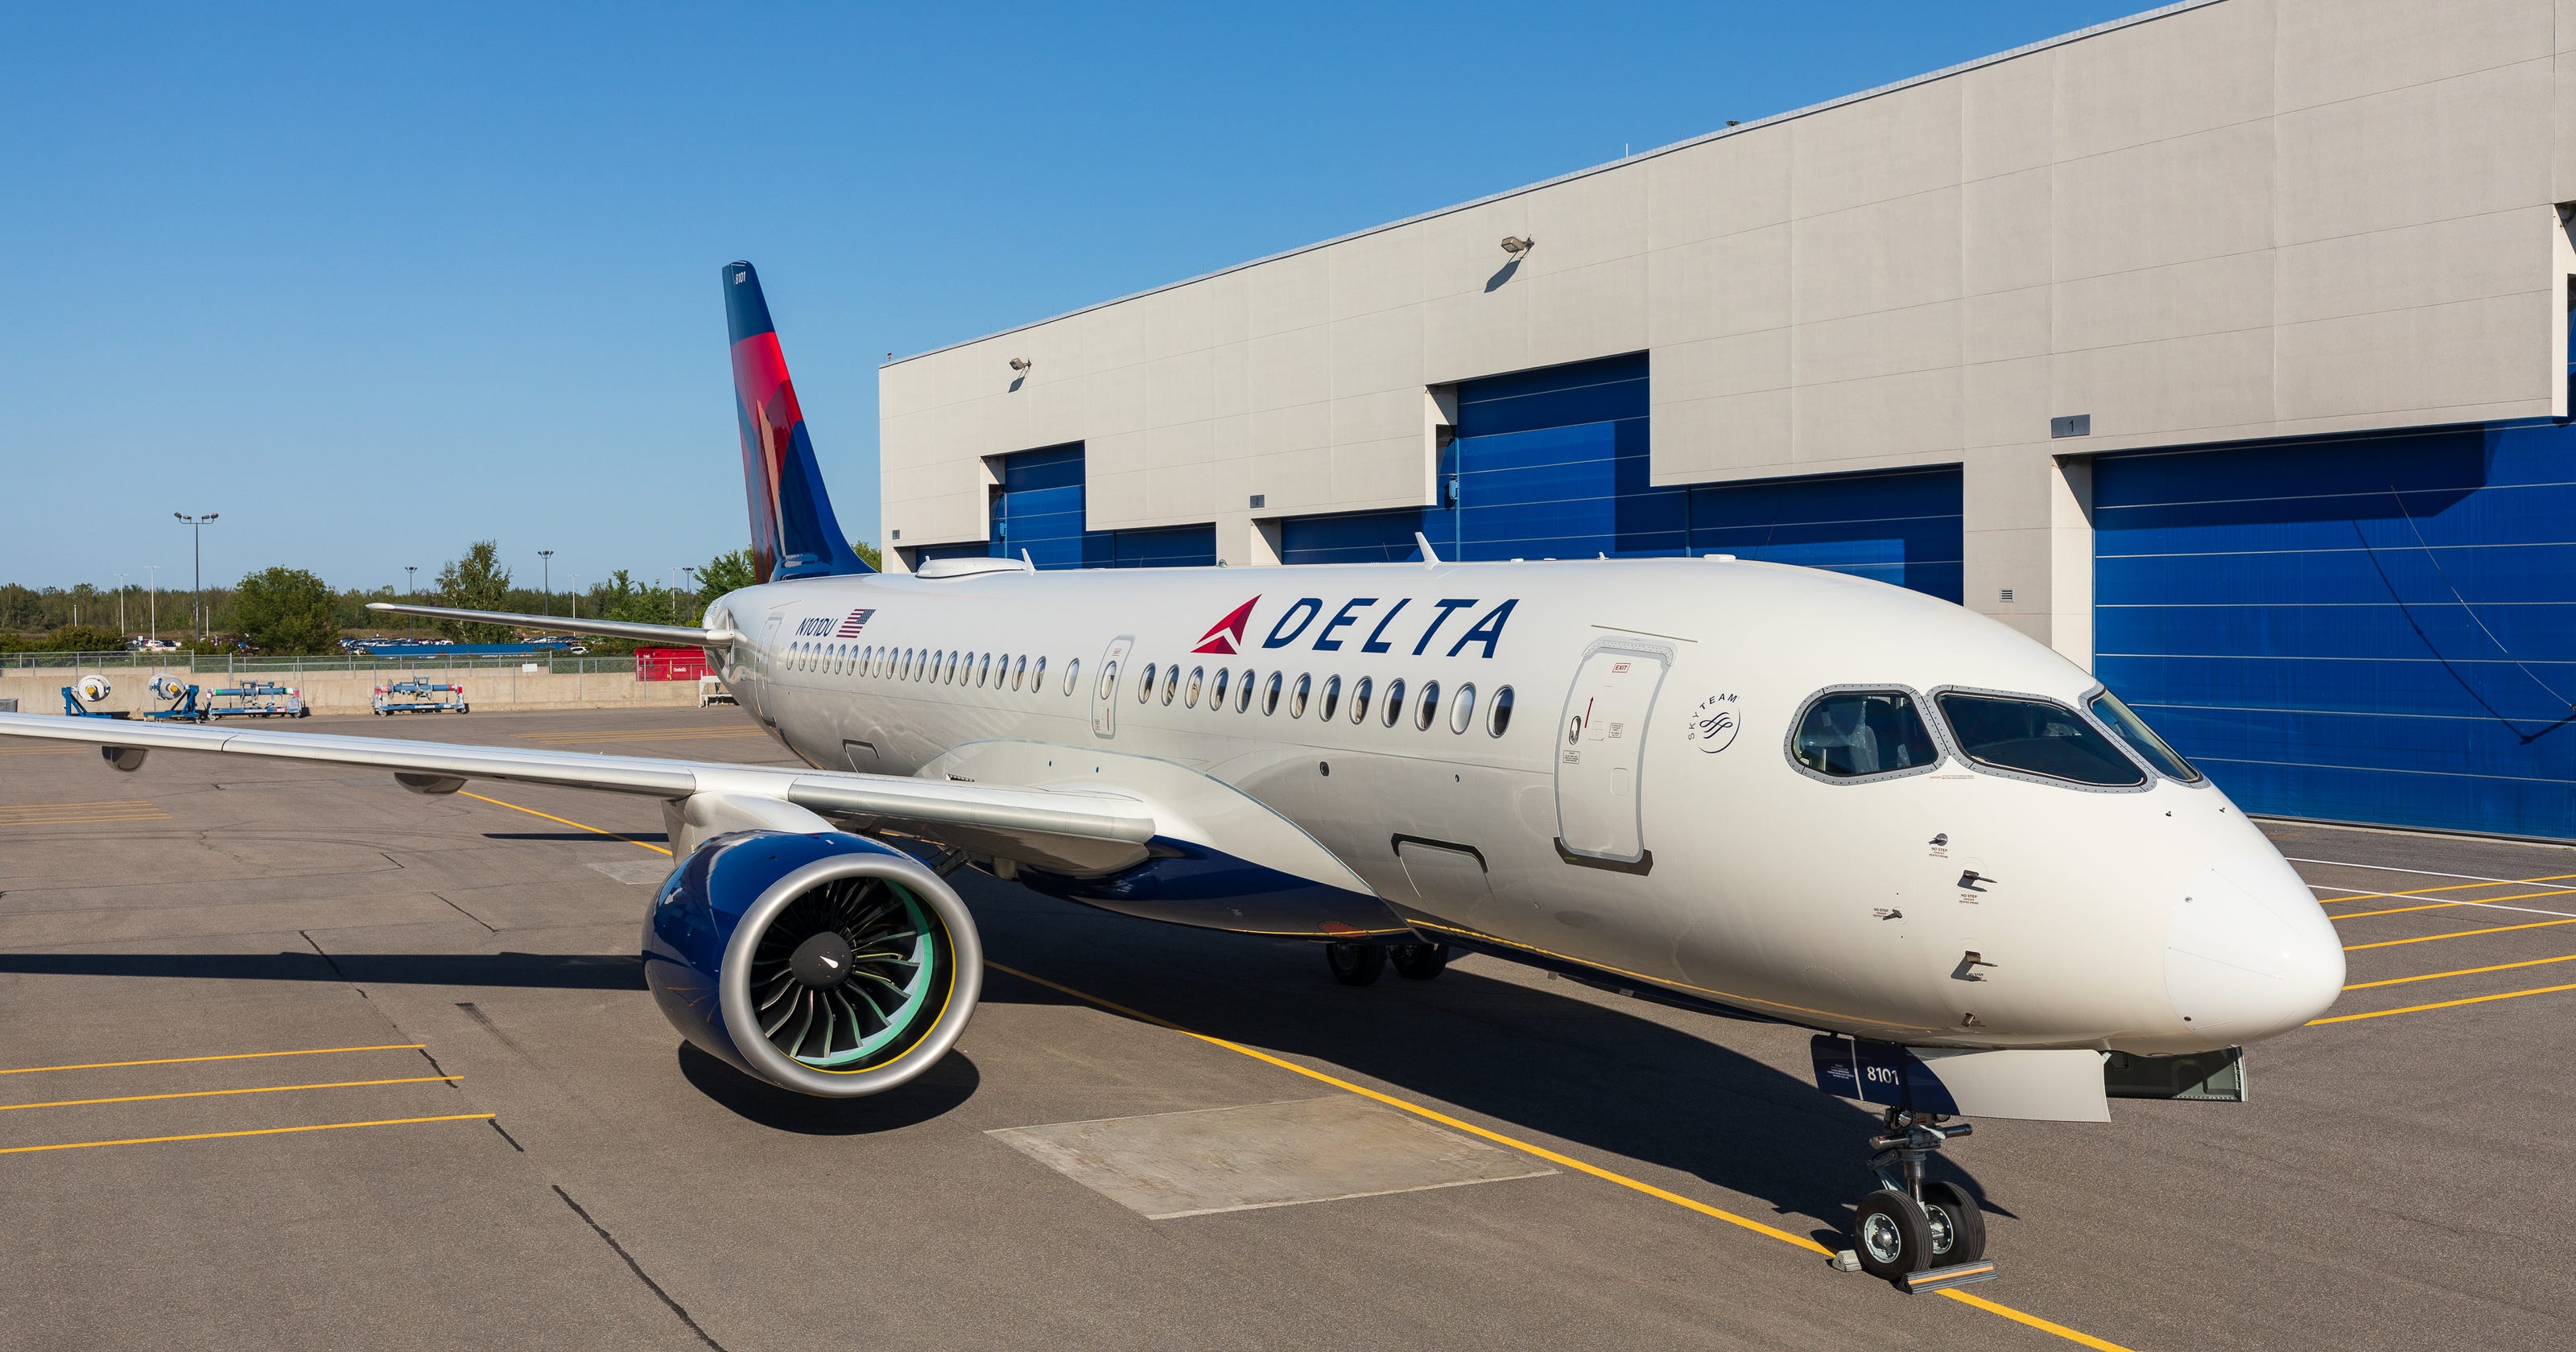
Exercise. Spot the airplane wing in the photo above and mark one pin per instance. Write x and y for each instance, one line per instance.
(678, 635)
(1079, 832)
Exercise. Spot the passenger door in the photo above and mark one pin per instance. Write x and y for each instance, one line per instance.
(1601, 743)
(1104, 687)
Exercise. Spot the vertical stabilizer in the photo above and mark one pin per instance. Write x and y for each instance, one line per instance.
(793, 531)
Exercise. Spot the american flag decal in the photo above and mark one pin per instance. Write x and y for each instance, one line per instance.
(850, 627)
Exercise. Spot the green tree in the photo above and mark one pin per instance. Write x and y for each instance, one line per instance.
(286, 610)
(86, 638)
(475, 582)
(729, 571)
(622, 598)
(868, 554)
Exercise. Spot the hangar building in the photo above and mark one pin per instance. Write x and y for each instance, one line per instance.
(2224, 347)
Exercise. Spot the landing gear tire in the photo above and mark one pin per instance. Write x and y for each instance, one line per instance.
(1420, 962)
(1355, 964)
(1958, 1226)
(1892, 1235)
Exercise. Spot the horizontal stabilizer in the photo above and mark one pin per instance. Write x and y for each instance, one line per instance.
(681, 635)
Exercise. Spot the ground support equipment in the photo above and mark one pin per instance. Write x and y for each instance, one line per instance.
(260, 699)
(421, 697)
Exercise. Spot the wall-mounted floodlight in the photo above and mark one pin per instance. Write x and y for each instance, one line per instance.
(1515, 245)
(1021, 363)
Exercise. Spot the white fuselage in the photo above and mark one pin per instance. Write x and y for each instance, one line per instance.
(1640, 815)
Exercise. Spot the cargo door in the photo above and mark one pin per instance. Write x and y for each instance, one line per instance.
(1601, 744)
(1104, 687)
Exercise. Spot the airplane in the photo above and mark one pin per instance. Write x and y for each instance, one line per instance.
(1765, 791)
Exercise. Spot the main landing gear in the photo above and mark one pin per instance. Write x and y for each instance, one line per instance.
(1922, 1235)
(1363, 964)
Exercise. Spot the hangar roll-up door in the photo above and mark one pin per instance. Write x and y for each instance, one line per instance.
(2373, 629)
(1553, 463)
(1038, 508)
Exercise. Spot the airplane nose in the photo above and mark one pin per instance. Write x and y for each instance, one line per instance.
(2249, 953)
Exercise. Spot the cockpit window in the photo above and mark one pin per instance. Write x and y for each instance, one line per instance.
(1851, 733)
(2125, 724)
(2036, 737)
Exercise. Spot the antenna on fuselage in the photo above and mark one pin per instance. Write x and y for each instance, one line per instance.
(1430, 559)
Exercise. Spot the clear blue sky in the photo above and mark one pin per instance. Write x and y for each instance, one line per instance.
(374, 281)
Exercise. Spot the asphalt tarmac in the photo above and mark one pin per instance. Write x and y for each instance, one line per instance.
(292, 1058)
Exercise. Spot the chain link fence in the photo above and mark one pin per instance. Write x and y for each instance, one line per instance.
(231, 664)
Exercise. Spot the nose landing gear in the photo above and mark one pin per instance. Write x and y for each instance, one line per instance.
(1922, 1235)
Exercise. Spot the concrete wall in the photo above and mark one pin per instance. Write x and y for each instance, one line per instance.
(39, 691)
(2228, 219)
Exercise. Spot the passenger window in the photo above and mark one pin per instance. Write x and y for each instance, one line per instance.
(1145, 687)
(1037, 678)
(2128, 727)
(1270, 694)
(1500, 716)
(984, 670)
(1394, 701)
(1430, 706)
(1851, 733)
(1108, 679)
(2036, 737)
(1198, 678)
(1020, 672)
(1243, 692)
(1216, 697)
(1332, 697)
(1359, 701)
(1462, 710)
(1171, 681)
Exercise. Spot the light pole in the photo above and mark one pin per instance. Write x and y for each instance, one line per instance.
(693, 579)
(155, 570)
(576, 596)
(120, 607)
(675, 593)
(411, 592)
(198, 524)
(546, 572)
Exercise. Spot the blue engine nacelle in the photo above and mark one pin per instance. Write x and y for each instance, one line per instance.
(826, 963)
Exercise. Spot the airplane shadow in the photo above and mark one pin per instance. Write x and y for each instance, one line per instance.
(1547, 1063)
(940, 1088)
(552, 971)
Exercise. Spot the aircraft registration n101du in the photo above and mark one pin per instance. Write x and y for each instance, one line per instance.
(1753, 789)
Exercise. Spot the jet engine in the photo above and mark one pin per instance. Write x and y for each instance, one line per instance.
(825, 963)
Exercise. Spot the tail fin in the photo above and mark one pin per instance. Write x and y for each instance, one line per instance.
(793, 531)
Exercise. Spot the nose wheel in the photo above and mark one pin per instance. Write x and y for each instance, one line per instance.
(1921, 1235)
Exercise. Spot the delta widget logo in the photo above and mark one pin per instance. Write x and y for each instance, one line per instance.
(1225, 637)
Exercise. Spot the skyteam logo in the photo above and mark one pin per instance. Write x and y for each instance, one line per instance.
(1225, 637)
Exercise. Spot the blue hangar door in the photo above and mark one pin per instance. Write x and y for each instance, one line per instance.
(1553, 464)
(1038, 509)
(2374, 629)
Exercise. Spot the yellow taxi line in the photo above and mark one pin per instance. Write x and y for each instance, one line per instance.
(2459, 934)
(1542, 1152)
(2451, 887)
(86, 802)
(220, 1093)
(87, 821)
(2465, 971)
(255, 1131)
(2497, 902)
(225, 1056)
(2442, 1004)
(657, 849)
